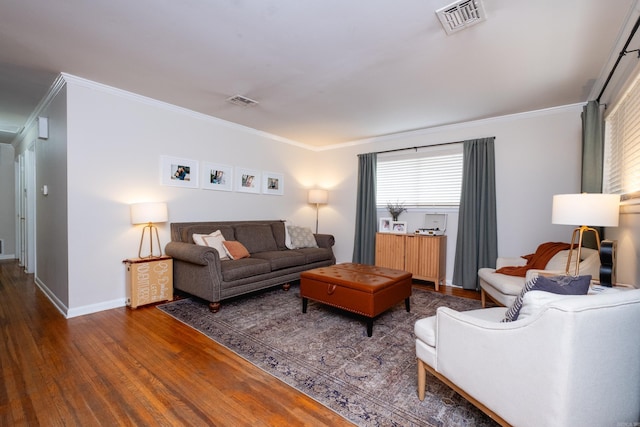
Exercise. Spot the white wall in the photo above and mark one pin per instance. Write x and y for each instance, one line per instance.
(537, 156)
(7, 207)
(115, 140)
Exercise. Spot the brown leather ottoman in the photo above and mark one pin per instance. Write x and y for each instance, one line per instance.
(363, 289)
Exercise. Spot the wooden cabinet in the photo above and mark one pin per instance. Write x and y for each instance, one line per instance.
(149, 280)
(424, 256)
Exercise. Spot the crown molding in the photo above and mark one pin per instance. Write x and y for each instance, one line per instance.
(456, 126)
(52, 92)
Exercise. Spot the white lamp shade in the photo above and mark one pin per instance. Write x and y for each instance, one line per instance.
(597, 210)
(144, 213)
(318, 196)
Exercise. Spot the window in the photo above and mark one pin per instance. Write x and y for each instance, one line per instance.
(622, 145)
(429, 177)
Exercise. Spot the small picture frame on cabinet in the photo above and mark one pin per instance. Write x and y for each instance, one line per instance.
(399, 227)
(385, 225)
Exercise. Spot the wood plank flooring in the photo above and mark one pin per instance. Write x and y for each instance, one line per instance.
(132, 367)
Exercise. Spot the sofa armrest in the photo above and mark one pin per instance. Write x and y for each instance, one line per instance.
(507, 261)
(195, 254)
(325, 240)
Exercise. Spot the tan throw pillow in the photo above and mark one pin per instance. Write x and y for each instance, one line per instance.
(213, 240)
(235, 249)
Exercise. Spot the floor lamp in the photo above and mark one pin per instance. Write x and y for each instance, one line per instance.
(597, 210)
(318, 197)
(149, 213)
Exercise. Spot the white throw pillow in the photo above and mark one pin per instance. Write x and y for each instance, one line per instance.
(559, 261)
(533, 301)
(287, 237)
(302, 237)
(213, 240)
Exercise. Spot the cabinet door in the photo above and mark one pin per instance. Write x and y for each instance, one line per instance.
(424, 256)
(390, 250)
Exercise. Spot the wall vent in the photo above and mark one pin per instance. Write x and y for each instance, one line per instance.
(460, 15)
(242, 101)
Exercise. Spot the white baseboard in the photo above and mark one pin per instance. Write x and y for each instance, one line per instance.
(7, 256)
(79, 311)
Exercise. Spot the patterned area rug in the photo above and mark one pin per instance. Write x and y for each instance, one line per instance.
(327, 355)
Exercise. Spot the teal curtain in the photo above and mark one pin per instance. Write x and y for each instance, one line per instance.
(477, 242)
(592, 157)
(592, 148)
(364, 247)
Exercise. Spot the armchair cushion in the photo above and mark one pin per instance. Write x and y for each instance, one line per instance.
(562, 285)
(504, 289)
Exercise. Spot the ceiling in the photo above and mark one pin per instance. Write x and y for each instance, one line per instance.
(323, 71)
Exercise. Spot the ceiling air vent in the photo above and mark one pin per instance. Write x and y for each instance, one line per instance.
(461, 14)
(242, 101)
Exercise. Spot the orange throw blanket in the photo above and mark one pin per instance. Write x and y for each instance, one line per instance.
(537, 261)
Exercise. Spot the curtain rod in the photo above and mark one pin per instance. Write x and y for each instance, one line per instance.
(622, 53)
(416, 148)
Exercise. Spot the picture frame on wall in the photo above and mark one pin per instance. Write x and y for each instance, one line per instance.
(273, 183)
(399, 227)
(179, 172)
(216, 176)
(385, 225)
(247, 180)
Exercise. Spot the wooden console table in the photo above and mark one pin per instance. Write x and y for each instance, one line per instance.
(423, 256)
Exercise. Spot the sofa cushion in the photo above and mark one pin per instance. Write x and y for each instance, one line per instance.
(279, 235)
(563, 285)
(242, 268)
(301, 237)
(188, 232)
(281, 259)
(213, 240)
(235, 249)
(256, 237)
(312, 255)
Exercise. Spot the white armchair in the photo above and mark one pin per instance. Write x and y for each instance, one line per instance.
(503, 289)
(574, 361)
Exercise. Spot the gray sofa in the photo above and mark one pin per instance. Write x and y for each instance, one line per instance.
(198, 270)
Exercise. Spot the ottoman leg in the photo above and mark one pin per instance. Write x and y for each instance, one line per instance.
(369, 326)
(407, 304)
(304, 304)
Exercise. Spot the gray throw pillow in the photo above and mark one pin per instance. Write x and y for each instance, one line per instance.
(563, 285)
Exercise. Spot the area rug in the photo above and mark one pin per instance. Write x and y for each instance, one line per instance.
(326, 354)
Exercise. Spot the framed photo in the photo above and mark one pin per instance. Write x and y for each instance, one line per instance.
(273, 183)
(179, 172)
(399, 227)
(217, 177)
(385, 225)
(247, 180)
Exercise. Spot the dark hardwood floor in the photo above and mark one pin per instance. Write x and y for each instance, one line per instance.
(132, 367)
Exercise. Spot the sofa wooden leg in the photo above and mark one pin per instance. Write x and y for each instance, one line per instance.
(286, 286)
(483, 298)
(422, 379)
(214, 307)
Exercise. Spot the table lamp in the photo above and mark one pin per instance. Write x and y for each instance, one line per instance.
(318, 197)
(596, 210)
(149, 213)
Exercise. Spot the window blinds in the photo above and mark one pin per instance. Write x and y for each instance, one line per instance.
(622, 144)
(423, 179)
